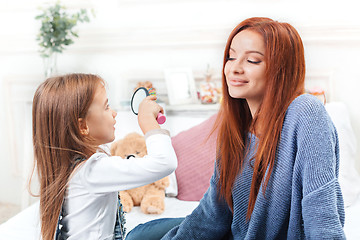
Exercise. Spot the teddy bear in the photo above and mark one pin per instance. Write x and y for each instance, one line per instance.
(150, 197)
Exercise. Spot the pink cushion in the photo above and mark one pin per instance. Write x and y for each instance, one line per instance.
(196, 158)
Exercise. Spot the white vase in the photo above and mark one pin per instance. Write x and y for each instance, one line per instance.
(50, 67)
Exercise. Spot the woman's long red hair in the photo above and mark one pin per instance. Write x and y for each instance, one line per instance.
(285, 74)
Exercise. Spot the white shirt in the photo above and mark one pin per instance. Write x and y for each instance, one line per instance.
(91, 200)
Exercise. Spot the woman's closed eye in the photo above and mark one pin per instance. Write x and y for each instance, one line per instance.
(249, 60)
(230, 59)
(253, 61)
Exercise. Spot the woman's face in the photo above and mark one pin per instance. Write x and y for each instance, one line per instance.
(100, 118)
(245, 67)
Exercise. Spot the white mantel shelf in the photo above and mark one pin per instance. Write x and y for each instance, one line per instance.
(192, 107)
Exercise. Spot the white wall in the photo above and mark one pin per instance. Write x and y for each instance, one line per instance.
(137, 39)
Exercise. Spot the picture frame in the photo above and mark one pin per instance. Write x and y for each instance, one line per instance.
(180, 86)
(320, 84)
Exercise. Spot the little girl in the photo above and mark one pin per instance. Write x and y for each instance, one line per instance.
(79, 182)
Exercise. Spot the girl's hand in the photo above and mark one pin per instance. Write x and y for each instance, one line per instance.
(148, 111)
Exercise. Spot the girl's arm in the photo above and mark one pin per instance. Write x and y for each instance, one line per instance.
(210, 220)
(101, 173)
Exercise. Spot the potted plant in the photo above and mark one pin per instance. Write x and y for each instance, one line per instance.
(56, 32)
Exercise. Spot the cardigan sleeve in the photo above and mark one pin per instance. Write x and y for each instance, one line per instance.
(210, 220)
(318, 155)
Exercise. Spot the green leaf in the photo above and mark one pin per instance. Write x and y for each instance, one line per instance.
(68, 42)
(40, 16)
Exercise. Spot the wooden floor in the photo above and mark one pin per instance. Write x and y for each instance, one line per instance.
(7, 211)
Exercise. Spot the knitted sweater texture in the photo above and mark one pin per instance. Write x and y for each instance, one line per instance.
(303, 198)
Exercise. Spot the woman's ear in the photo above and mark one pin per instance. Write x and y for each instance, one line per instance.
(84, 129)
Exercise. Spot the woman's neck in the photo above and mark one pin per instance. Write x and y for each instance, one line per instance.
(253, 106)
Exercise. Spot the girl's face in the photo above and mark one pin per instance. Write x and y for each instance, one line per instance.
(100, 118)
(245, 67)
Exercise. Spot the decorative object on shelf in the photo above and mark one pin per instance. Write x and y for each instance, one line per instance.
(146, 84)
(318, 92)
(56, 32)
(180, 85)
(208, 90)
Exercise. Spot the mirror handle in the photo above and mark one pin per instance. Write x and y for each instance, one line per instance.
(160, 118)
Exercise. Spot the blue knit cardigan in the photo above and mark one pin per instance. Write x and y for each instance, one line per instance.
(303, 199)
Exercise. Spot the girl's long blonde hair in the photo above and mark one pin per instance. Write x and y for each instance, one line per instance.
(285, 74)
(58, 104)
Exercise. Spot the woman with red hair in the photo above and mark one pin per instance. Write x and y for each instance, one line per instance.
(276, 174)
